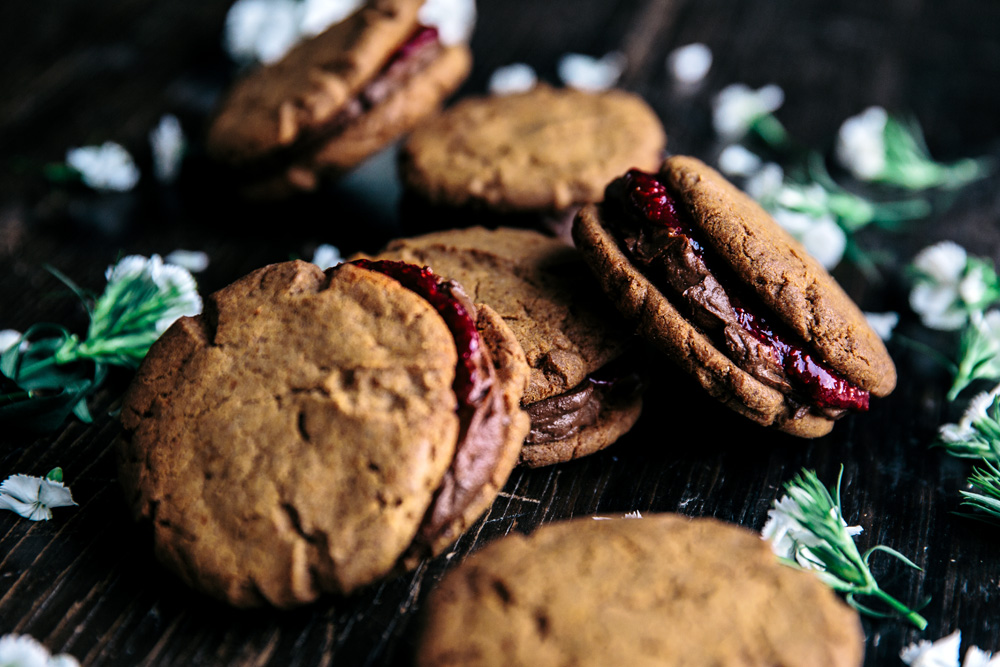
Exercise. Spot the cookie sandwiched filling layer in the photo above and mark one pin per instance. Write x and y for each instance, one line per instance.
(482, 417)
(656, 234)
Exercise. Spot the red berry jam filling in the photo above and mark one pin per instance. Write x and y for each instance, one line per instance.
(423, 282)
(646, 202)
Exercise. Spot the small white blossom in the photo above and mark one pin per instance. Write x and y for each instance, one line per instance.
(976, 657)
(950, 286)
(942, 653)
(883, 323)
(454, 19)
(736, 160)
(318, 15)
(591, 74)
(822, 237)
(326, 256)
(8, 339)
(737, 107)
(790, 539)
(766, 183)
(635, 514)
(33, 497)
(25, 651)
(168, 144)
(942, 262)
(262, 30)
(108, 167)
(861, 143)
(194, 261)
(513, 78)
(174, 286)
(689, 64)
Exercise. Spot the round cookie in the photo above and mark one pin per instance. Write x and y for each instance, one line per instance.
(663, 590)
(306, 434)
(335, 99)
(687, 297)
(546, 150)
(542, 289)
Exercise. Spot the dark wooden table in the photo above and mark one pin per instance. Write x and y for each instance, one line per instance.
(79, 73)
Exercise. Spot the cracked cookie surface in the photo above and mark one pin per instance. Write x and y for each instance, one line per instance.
(660, 590)
(290, 440)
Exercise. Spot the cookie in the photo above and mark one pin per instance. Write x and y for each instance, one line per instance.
(313, 432)
(580, 400)
(545, 151)
(335, 99)
(704, 273)
(662, 590)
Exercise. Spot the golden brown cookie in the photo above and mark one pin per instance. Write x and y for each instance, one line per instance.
(706, 274)
(311, 432)
(546, 150)
(335, 99)
(579, 401)
(663, 590)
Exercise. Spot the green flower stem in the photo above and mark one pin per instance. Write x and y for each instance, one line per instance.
(771, 131)
(913, 617)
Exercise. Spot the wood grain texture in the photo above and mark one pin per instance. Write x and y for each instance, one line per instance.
(86, 582)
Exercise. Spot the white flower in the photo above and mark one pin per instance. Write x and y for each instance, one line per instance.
(766, 183)
(25, 651)
(513, 78)
(262, 30)
(194, 261)
(33, 497)
(326, 256)
(976, 657)
(942, 262)
(822, 237)
(949, 286)
(635, 514)
(789, 539)
(105, 167)
(736, 160)
(168, 144)
(738, 106)
(942, 653)
(689, 64)
(454, 19)
(883, 323)
(173, 285)
(318, 15)
(861, 143)
(8, 339)
(591, 74)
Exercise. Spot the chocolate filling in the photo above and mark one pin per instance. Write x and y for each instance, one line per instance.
(483, 419)
(655, 234)
(559, 417)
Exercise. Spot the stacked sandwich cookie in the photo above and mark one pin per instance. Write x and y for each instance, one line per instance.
(584, 392)
(335, 99)
(707, 276)
(313, 432)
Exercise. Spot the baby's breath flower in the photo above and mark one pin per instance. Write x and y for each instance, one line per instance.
(949, 286)
(168, 144)
(738, 109)
(513, 78)
(8, 339)
(874, 146)
(107, 167)
(34, 497)
(883, 323)
(25, 651)
(822, 236)
(326, 256)
(591, 74)
(262, 30)
(689, 64)
(736, 160)
(454, 19)
(807, 530)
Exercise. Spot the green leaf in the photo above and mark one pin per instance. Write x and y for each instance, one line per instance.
(891, 552)
(55, 475)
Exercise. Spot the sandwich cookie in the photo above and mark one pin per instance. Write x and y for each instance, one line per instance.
(313, 432)
(707, 276)
(663, 590)
(335, 99)
(582, 395)
(541, 153)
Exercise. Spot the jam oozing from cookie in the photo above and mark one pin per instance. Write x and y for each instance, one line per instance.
(468, 384)
(646, 199)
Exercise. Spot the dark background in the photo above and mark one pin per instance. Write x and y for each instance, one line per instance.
(78, 73)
